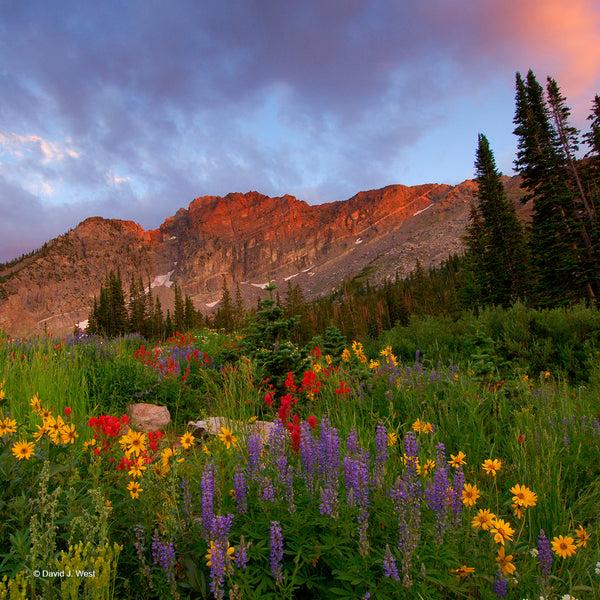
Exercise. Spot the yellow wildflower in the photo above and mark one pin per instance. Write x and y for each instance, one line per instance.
(8, 426)
(483, 519)
(68, 434)
(23, 450)
(463, 571)
(582, 537)
(227, 438)
(505, 562)
(564, 546)
(457, 460)
(502, 531)
(134, 489)
(491, 467)
(470, 494)
(187, 440)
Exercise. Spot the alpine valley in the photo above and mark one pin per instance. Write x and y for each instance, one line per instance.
(240, 239)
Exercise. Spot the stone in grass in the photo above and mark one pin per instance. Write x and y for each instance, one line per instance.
(212, 426)
(148, 417)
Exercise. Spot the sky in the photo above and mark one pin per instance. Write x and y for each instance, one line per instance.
(130, 109)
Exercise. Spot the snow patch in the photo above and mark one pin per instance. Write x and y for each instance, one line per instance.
(358, 241)
(307, 270)
(82, 325)
(163, 280)
(173, 237)
(423, 210)
(260, 286)
(212, 304)
(291, 276)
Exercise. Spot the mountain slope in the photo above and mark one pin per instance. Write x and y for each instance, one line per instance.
(243, 239)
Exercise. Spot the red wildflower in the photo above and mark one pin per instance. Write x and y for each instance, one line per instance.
(68, 411)
(312, 421)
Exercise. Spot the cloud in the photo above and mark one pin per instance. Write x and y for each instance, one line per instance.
(132, 109)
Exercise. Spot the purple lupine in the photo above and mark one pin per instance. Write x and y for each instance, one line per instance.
(352, 445)
(219, 558)
(254, 451)
(362, 475)
(239, 485)
(407, 493)
(389, 564)
(268, 493)
(309, 457)
(436, 495)
(596, 426)
(381, 454)
(163, 554)
(500, 585)
(289, 490)
(207, 485)
(241, 555)
(276, 551)
(277, 448)
(329, 467)
(545, 556)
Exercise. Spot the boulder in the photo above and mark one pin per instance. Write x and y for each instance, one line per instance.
(148, 417)
(212, 426)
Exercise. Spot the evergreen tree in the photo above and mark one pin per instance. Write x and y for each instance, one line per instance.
(179, 310)
(495, 236)
(158, 325)
(555, 242)
(224, 317)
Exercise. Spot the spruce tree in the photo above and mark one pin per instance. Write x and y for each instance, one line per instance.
(495, 235)
(555, 241)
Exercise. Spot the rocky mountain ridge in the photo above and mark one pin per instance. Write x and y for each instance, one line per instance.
(246, 239)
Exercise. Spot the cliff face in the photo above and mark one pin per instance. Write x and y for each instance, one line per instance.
(244, 239)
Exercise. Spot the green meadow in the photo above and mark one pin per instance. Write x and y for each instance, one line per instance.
(447, 458)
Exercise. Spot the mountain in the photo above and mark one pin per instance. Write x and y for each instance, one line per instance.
(246, 239)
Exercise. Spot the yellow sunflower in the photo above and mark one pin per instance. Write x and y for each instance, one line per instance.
(502, 531)
(564, 546)
(23, 450)
(505, 562)
(470, 494)
(491, 466)
(227, 438)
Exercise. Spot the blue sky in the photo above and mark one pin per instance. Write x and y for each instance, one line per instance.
(131, 109)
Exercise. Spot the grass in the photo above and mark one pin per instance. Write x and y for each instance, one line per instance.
(353, 509)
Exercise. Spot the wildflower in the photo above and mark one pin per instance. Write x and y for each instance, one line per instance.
(518, 511)
(501, 530)
(276, 551)
(458, 460)
(345, 355)
(54, 426)
(134, 489)
(227, 438)
(390, 568)
(470, 494)
(505, 562)
(68, 410)
(35, 404)
(417, 426)
(211, 555)
(463, 571)
(45, 413)
(484, 519)
(137, 467)
(68, 434)
(523, 496)
(582, 537)
(41, 431)
(427, 428)
(427, 467)
(546, 374)
(500, 586)
(187, 440)
(374, 364)
(491, 467)
(8, 426)
(564, 546)
(134, 441)
(91, 442)
(392, 438)
(23, 450)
